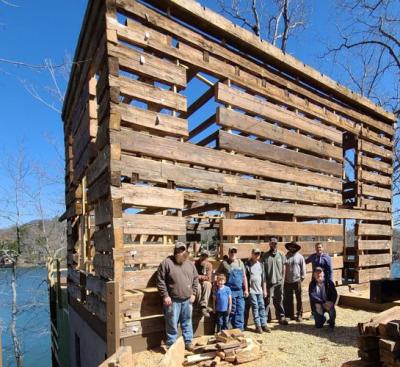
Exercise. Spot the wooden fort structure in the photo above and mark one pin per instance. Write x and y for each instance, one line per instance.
(176, 122)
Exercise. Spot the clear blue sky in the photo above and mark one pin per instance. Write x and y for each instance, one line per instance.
(40, 29)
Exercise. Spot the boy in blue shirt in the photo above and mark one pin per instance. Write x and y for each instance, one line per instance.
(222, 302)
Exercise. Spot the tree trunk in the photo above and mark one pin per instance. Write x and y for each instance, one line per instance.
(16, 342)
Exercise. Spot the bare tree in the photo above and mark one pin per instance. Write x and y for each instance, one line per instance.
(274, 20)
(369, 52)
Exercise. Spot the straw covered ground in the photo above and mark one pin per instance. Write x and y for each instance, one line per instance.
(298, 344)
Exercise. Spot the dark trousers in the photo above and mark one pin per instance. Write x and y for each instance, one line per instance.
(289, 289)
(320, 319)
(276, 292)
(221, 320)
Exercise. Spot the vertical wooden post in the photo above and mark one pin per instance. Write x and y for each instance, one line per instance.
(113, 328)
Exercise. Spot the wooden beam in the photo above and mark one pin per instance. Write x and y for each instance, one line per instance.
(238, 227)
(113, 330)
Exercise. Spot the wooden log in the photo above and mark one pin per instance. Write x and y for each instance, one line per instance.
(143, 254)
(368, 342)
(365, 275)
(374, 178)
(139, 279)
(149, 93)
(175, 355)
(374, 164)
(132, 116)
(378, 205)
(154, 146)
(148, 196)
(373, 244)
(154, 171)
(258, 149)
(237, 227)
(363, 229)
(123, 357)
(374, 149)
(137, 304)
(151, 224)
(373, 259)
(378, 192)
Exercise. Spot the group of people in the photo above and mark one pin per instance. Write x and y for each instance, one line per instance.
(237, 286)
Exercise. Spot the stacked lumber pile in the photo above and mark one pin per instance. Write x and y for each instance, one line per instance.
(379, 339)
(225, 348)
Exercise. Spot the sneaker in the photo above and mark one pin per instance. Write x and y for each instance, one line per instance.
(259, 330)
(189, 347)
(283, 321)
(299, 319)
(266, 329)
(205, 312)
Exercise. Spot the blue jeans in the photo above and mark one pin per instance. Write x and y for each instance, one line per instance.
(180, 312)
(258, 308)
(221, 322)
(320, 319)
(236, 317)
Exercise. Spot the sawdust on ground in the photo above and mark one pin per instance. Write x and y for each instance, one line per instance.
(298, 344)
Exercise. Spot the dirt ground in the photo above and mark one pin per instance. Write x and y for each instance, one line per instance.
(298, 344)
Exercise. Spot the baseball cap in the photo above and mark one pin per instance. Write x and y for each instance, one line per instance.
(274, 240)
(180, 245)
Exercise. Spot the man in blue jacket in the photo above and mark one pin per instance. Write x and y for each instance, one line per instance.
(323, 296)
(322, 260)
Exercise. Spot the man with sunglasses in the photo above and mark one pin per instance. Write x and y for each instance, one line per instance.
(235, 273)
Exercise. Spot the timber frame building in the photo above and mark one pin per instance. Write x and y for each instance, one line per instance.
(177, 121)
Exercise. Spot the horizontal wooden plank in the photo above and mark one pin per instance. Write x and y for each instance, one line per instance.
(365, 275)
(250, 73)
(235, 120)
(373, 259)
(160, 172)
(307, 247)
(378, 192)
(258, 149)
(375, 164)
(363, 229)
(254, 105)
(155, 146)
(143, 303)
(254, 206)
(149, 93)
(373, 244)
(151, 224)
(143, 254)
(378, 205)
(243, 227)
(139, 279)
(148, 196)
(374, 149)
(154, 121)
(148, 65)
(374, 178)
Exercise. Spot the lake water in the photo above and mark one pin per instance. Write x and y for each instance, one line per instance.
(33, 322)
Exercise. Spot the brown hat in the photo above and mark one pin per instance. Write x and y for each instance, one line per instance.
(292, 244)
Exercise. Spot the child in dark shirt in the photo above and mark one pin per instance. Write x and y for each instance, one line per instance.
(222, 302)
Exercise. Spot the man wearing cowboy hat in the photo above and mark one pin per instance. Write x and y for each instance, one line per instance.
(295, 272)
